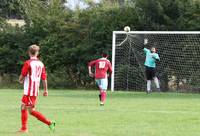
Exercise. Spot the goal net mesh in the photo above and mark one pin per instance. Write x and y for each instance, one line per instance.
(179, 68)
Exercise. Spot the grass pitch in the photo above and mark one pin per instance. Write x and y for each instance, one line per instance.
(77, 113)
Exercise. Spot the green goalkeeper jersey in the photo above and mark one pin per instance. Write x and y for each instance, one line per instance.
(150, 58)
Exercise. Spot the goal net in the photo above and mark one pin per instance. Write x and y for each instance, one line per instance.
(179, 68)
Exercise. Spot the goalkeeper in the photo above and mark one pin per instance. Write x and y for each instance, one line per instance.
(150, 63)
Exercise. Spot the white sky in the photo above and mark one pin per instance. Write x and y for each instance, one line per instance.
(73, 3)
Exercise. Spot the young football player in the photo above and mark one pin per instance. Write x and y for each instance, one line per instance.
(102, 67)
(33, 70)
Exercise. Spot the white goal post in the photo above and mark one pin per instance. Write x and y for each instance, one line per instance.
(179, 65)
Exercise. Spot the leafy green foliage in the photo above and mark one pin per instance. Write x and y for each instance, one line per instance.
(10, 9)
(69, 39)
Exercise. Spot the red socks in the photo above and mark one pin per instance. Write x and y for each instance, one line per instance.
(40, 117)
(24, 119)
(103, 96)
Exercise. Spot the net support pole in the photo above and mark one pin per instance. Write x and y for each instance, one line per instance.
(113, 62)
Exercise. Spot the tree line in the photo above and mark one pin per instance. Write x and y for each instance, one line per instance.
(70, 38)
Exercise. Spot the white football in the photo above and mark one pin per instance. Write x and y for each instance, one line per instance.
(127, 29)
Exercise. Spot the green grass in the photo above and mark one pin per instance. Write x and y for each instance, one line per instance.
(78, 113)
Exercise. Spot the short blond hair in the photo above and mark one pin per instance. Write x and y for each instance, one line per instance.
(33, 49)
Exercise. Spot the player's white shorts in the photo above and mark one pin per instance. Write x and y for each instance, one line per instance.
(102, 83)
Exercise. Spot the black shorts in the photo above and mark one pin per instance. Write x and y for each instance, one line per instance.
(150, 73)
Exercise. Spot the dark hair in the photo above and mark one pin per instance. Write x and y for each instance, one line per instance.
(105, 55)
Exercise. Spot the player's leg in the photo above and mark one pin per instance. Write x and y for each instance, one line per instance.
(103, 97)
(24, 115)
(39, 115)
(100, 96)
(42, 118)
(149, 78)
(98, 82)
(24, 119)
(148, 86)
(156, 81)
(33, 112)
(104, 85)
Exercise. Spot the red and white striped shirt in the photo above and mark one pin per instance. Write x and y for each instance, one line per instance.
(33, 70)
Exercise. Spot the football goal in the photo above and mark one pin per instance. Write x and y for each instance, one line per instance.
(179, 68)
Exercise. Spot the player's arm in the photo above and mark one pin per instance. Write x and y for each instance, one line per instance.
(156, 57)
(44, 81)
(90, 65)
(145, 49)
(21, 79)
(110, 69)
(24, 72)
(90, 71)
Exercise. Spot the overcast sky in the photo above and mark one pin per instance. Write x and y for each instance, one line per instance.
(73, 3)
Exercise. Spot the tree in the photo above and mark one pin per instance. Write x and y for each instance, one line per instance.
(121, 3)
(70, 38)
(10, 9)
